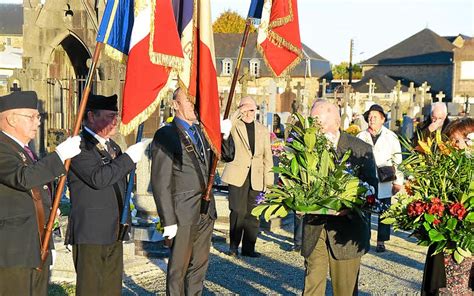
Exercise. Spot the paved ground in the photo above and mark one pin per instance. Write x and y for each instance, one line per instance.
(278, 272)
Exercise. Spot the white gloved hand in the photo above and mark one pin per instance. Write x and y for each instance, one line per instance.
(226, 126)
(136, 151)
(170, 231)
(69, 148)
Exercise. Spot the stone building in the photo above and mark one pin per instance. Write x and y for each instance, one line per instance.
(464, 72)
(427, 57)
(11, 44)
(276, 94)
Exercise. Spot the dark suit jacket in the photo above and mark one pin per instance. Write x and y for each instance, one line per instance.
(175, 181)
(95, 213)
(348, 235)
(19, 240)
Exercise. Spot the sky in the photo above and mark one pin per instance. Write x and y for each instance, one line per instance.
(327, 26)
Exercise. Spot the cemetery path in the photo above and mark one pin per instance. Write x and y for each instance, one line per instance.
(279, 271)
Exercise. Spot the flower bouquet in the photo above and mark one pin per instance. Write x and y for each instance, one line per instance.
(312, 179)
(439, 197)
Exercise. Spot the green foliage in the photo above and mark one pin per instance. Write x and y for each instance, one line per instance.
(61, 289)
(312, 179)
(341, 71)
(230, 22)
(439, 198)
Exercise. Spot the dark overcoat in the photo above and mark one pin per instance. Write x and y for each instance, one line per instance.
(348, 235)
(19, 238)
(95, 212)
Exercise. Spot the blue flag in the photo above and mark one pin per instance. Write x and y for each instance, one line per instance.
(255, 11)
(116, 25)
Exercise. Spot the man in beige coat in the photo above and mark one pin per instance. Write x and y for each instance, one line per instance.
(247, 175)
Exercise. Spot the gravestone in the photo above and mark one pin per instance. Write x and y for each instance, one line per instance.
(372, 89)
(244, 81)
(272, 94)
(407, 129)
(440, 96)
(144, 227)
(396, 106)
(323, 84)
(286, 98)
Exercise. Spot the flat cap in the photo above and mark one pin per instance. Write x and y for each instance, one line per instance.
(19, 100)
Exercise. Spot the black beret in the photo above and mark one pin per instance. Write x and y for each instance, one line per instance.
(19, 100)
(374, 107)
(98, 102)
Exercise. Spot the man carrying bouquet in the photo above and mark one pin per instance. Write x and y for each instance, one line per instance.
(340, 240)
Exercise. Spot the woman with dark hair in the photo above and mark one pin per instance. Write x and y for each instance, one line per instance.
(461, 134)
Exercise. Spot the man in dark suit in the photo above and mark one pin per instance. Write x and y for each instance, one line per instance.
(337, 241)
(25, 197)
(181, 159)
(97, 182)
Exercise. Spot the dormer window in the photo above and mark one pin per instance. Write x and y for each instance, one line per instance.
(227, 67)
(255, 67)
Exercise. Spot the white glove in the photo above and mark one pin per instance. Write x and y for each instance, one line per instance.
(170, 231)
(226, 126)
(69, 148)
(136, 151)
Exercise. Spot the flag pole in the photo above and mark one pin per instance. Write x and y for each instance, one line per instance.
(206, 196)
(67, 163)
(124, 226)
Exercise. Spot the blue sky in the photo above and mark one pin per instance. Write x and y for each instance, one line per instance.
(375, 25)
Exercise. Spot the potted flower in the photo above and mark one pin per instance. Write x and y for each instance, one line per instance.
(438, 201)
(312, 179)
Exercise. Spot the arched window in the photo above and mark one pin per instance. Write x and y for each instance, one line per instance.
(255, 67)
(227, 67)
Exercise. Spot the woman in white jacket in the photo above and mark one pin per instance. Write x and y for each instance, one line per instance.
(387, 153)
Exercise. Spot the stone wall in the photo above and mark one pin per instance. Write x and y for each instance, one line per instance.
(463, 87)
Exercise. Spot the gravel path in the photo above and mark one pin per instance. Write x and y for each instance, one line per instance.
(280, 271)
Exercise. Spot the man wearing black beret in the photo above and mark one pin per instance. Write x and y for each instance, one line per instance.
(25, 198)
(97, 182)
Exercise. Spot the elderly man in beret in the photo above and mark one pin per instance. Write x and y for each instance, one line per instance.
(97, 182)
(25, 197)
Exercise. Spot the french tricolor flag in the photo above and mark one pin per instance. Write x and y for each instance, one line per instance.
(147, 33)
(160, 37)
(198, 75)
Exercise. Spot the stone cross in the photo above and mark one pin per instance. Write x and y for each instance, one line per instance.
(323, 88)
(440, 96)
(244, 80)
(372, 89)
(425, 99)
(424, 89)
(298, 88)
(272, 90)
(411, 91)
(288, 83)
(15, 87)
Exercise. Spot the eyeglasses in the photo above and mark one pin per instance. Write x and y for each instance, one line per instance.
(31, 117)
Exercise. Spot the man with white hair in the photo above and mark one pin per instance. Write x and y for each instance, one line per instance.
(337, 242)
(25, 195)
(437, 121)
(247, 175)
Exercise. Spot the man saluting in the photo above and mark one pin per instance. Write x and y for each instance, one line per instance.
(24, 194)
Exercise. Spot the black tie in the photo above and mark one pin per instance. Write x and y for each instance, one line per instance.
(110, 149)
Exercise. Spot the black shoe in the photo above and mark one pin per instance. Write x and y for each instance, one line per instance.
(233, 253)
(251, 254)
(380, 249)
(296, 249)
